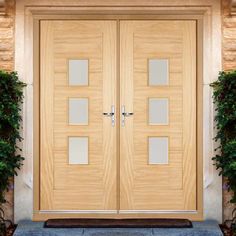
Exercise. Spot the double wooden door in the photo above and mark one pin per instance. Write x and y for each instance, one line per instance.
(118, 116)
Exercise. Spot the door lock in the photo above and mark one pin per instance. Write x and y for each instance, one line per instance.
(124, 114)
(111, 114)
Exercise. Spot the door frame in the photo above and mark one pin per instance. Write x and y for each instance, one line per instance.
(45, 214)
(33, 15)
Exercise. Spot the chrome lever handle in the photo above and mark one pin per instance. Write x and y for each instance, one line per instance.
(124, 114)
(111, 114)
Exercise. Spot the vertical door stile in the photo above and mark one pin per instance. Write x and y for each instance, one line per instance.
(109, 101)
(189, 115)
(126, 99)
(46, 121)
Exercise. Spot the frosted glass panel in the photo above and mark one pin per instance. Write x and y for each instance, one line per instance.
(78, 72)
(158, 150)
(158, 111)
(78, 111)
(78, 150)
(158, 72)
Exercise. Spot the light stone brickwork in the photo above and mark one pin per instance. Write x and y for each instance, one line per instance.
(7, 37)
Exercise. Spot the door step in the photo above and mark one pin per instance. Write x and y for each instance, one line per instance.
(118, 223)
(205, 228)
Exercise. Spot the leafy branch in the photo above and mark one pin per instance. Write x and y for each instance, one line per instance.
(224, 96)
(11, 98)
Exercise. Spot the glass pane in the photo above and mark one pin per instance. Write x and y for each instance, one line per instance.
(78, 72)
(78, 111)
(78, 150)
(158, 150)
(158, 72)
(158, 111)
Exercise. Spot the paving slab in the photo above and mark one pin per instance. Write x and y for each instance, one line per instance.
(205, 228)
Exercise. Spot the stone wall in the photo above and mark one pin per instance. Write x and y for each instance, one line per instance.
(229, 37)
(7, 37)
(229, 63)
(7, 63)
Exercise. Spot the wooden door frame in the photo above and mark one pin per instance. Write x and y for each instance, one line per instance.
(38, 214)
(27, 14)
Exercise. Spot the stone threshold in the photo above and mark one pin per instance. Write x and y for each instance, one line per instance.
(205, 228)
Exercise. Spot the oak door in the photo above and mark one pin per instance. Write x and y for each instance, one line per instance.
(80, 169)
(158, 142)
(78, 144)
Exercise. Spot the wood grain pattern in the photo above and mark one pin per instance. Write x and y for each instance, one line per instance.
(77, 187)
(36, 114)
(189, 115)
(158, 187)
(46, 115)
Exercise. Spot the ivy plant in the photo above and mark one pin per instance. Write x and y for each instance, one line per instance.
(11, 98)
(224, 95)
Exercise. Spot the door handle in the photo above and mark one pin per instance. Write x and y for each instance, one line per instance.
(111, 114)
(124, 114)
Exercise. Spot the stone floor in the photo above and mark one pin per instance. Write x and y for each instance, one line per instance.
(206, 228)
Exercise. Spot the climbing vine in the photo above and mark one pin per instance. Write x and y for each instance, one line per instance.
(224, 95)
(11, 98)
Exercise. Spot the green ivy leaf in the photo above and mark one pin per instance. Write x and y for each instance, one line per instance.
(224, 95)
(11, 98)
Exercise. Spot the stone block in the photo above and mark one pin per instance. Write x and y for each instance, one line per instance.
(6, 22)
